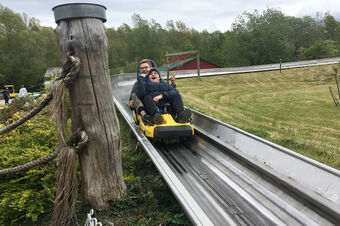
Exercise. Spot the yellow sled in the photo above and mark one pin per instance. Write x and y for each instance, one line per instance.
(169, 132)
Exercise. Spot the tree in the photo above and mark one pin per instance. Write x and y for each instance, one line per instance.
(211, 46)
(332, 28)
(26, 48)
(11, 45)
(305, 31)
(320, 49)
(264, 37)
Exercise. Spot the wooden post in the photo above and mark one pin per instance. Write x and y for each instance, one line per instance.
(92, 104)
(167, 68)
(198, 64)
(337, 83)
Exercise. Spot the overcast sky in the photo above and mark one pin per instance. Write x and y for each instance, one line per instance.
(211, 15)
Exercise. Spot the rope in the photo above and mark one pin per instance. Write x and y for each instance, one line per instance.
(83, 141)
(70, 71)
(30, 164)
(81, 136)
(66, 192)
(29, 115)
(67, 183)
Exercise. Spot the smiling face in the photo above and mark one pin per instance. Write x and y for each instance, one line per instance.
(145, 67)
(154, 76)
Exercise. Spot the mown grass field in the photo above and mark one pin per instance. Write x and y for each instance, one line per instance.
(293, 109)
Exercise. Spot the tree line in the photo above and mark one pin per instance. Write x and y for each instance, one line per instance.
(27, 49)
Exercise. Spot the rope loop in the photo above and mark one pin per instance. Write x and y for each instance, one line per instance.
(69, 73)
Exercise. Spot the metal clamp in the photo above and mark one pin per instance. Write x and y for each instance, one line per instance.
(79, 10)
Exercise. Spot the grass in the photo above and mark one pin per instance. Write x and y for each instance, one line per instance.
(149, 201)
(293, 108)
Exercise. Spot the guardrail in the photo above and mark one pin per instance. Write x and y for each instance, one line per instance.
(247, 69)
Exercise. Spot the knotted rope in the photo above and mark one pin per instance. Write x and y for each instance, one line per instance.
(66, 193)
(66, 151)
(69, 72)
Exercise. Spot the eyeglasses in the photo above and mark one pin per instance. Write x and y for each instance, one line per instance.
(144, 67)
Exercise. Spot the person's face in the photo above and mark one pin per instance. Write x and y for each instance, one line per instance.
(154, 77)
(145, 68)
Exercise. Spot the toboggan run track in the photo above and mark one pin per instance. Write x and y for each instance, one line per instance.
(226, 176)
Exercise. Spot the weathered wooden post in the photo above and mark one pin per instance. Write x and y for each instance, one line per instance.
(198, 64)
(81, 26)
(167, 68)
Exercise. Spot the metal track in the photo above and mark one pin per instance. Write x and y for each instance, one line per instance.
(225, 176)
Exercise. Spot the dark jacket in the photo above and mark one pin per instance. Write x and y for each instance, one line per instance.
(5, 93)
(154, 89)
(134, 88)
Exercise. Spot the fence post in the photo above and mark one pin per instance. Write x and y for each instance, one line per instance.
(167, 67)
(198, 64)
(80, 25)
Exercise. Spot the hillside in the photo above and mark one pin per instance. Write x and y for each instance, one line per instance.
(293, 109)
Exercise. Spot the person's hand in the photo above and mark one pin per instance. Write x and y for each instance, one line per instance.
(157, 98)
(132, 105)
(173, 77)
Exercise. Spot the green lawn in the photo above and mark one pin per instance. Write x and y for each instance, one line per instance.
(293, 109)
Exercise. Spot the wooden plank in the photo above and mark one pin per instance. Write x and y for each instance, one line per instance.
(180, 53)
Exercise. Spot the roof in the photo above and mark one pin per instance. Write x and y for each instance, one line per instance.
(53, 71)
(173, 65)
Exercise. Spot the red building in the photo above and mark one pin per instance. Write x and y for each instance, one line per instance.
(189, 64)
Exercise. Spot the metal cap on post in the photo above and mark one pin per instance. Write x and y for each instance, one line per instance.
(79, 10)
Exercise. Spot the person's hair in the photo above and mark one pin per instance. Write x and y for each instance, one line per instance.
(145, 61)
(154, 69)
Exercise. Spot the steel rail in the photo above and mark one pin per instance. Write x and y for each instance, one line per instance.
(258, 68)
(226, 176)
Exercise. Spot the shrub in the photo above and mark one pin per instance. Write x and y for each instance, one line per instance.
(319, 49)
(17, 104)
(26, 195)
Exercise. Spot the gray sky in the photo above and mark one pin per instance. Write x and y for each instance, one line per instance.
(198, 14)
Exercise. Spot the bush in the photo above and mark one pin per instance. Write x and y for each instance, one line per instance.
(319, 49)
(26, 195)
(17, 104)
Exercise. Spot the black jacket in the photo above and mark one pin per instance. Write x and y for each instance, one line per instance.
(5, 93)
(134, 88)
(154, 89)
